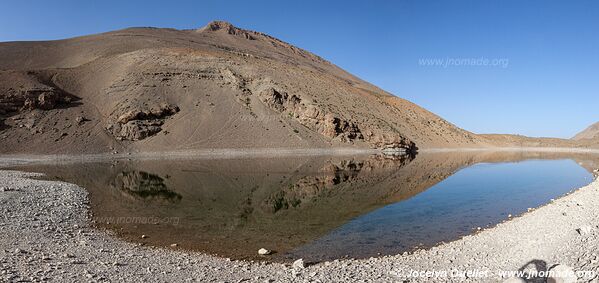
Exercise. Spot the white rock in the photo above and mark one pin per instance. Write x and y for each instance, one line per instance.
(561, 274)
(299, 264)
(584, 230)
(264, 251)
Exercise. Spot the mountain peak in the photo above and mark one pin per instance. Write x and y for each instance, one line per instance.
(226, 27)
(218, 25)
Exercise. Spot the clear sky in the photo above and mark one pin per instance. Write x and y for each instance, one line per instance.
(536, 71)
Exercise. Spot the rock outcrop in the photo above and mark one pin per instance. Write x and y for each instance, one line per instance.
(228, 28)
(139, 124)
(332, 125)
(43, 98)
(25, 91)
(309, 115)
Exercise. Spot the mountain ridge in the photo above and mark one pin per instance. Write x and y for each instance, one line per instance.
(219, 86)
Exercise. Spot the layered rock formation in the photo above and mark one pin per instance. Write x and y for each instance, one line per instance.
(149, 89)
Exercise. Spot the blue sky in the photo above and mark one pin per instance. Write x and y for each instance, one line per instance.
(545, 83)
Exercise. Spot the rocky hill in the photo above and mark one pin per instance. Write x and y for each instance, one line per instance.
(151, 89)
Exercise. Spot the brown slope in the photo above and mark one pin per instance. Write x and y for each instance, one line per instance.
(149, 89)
(592, 132)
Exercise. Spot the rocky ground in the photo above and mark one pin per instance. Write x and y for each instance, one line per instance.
(46, 235)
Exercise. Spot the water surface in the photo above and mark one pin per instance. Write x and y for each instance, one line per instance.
(478, 196)
(319, 207)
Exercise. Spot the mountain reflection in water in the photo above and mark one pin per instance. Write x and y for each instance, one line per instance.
(233, 207)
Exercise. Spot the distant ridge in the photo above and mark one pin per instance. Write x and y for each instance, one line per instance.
(591, 132)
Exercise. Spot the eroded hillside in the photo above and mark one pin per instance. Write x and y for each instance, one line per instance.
(148, 89)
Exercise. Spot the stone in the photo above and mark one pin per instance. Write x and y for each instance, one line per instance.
(299, 264)
(143, 236)
(80, 120)
(264, 251)
(584, 230)
(46, 101)
(561, 274)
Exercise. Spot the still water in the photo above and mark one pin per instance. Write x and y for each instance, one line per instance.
(319, 208)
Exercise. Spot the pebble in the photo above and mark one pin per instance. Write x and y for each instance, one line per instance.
(584, 230)
(299, 264)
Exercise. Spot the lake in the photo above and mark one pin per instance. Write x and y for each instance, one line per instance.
(319, 207)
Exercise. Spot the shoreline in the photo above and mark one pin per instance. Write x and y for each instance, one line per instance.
(19, 159)
(515, 149)
(232, 153)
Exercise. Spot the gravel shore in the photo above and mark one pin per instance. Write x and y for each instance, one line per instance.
(46, 235)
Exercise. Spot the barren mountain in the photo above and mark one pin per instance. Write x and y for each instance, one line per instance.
(592, 132)
(151, 89)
